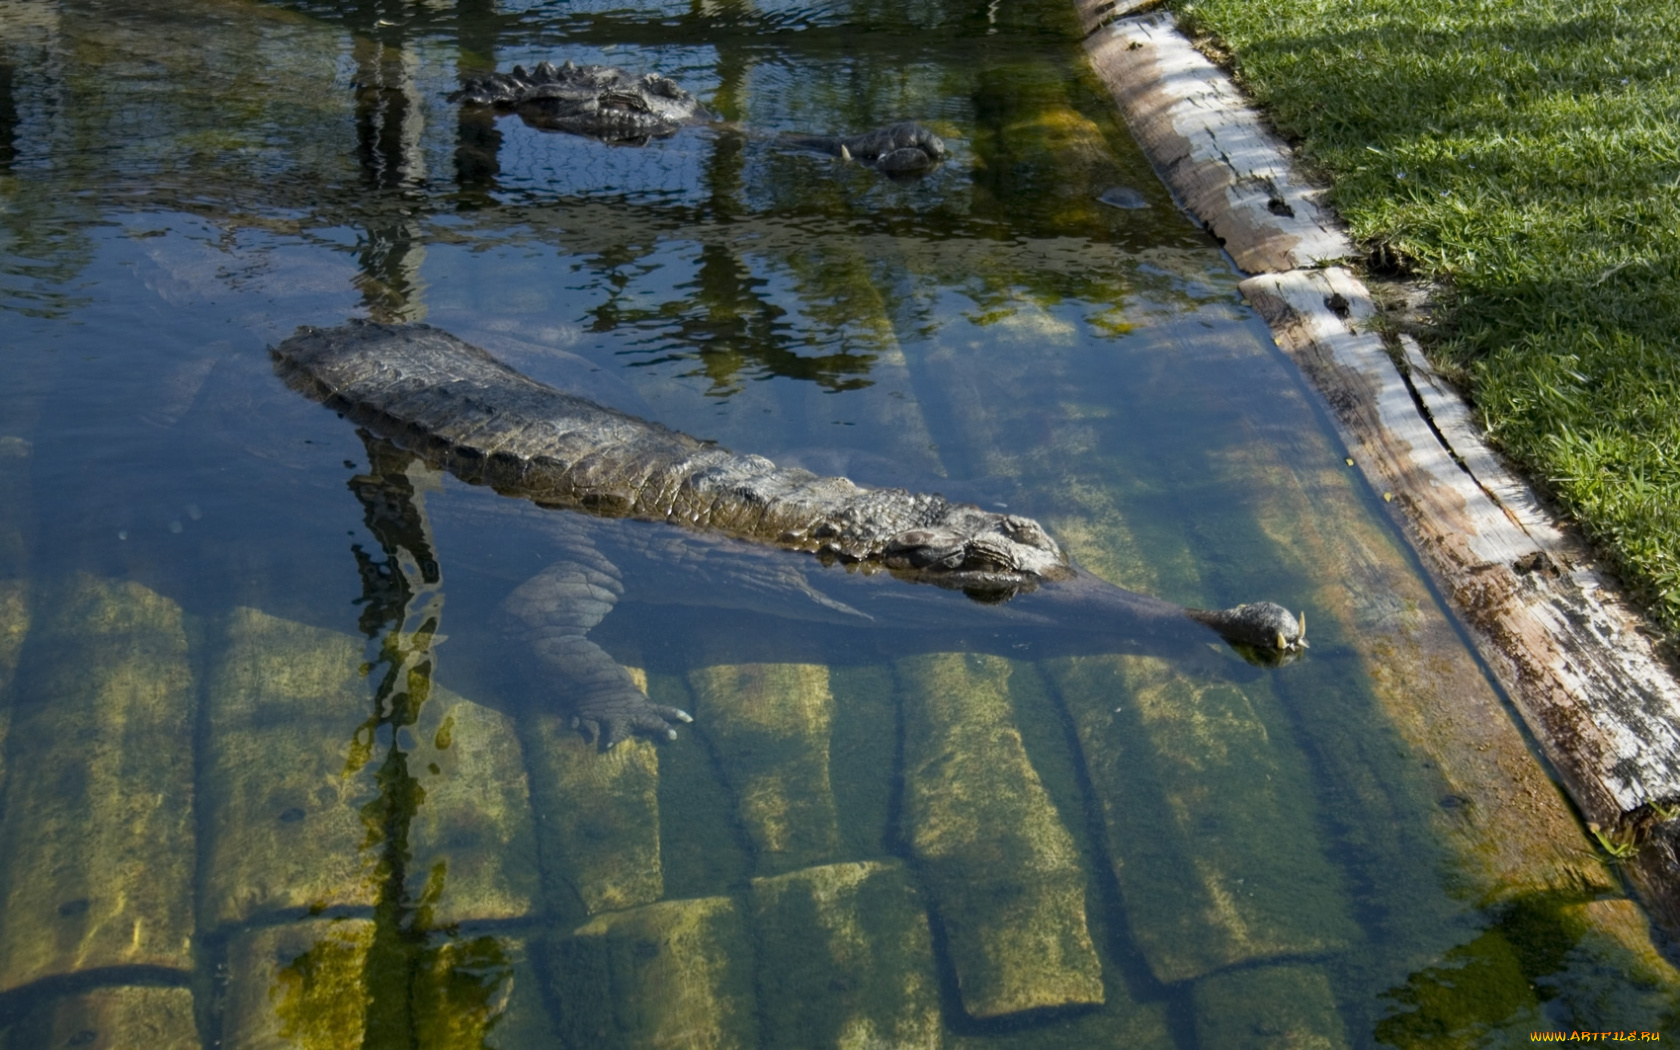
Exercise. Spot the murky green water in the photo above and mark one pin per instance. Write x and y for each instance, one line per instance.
(273, 774)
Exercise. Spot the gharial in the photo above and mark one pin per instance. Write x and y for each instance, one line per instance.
(456, 406)
(613, 105)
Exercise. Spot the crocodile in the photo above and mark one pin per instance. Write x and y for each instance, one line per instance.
(461, 409)
(613, 105)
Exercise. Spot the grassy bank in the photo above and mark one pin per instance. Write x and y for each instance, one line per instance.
(1527, 152)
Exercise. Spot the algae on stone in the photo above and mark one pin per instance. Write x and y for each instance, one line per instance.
(474, 993)
(1003, 872)
(14, 625)
(287, 772)
(96, 836)
(1283, 1007)
(300, 986)
(472, 836)
(1547, 960)
(770, 724)
(293, 783)
(863, 755)
(845, 959)
(118, 1018)
(705, 849)
(1209, 811)
(597, 818)
(677, 973)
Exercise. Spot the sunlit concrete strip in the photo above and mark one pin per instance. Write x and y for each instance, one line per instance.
(1211, 149)
(1574, 657)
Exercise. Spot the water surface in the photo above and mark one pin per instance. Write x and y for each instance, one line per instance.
(275, 773)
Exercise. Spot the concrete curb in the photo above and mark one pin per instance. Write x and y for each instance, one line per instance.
(1572, 654)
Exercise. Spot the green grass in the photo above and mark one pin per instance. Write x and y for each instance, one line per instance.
(1526, 153)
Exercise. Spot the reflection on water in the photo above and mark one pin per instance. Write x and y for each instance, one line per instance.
(257, 790)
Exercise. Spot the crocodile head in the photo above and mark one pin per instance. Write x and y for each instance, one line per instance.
(991, 557)
(1263, 632)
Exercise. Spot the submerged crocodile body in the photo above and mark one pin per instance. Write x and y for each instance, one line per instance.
(608, 103)
(461, 409)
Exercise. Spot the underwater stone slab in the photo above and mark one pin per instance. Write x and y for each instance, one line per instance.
(110, 1019)
(292, 770)
(770, 724)
(863, 758)
(1288, 1007)
(597, 818)
(98, 856)
(1209, 814)
(14, 625)
(845, 959)
(1001, 868)
(286, 772)
(300, 985)
(473, 840)
(673, 974)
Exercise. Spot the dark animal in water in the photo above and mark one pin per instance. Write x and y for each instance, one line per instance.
(613, 105)
(458, 407)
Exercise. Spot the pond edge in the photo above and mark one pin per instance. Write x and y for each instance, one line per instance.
(1575, 657)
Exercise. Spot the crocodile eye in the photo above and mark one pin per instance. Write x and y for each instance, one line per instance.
(925, 549)
(985, 553)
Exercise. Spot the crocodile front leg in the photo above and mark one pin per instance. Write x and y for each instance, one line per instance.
(556, 609)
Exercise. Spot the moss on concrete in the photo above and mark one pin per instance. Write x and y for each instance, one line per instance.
(845, 959)
(675, 973)
(1000, 866)
(103, 794)
(770, 724)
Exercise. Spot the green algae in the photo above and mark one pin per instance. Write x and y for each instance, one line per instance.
(14, 626)
(845, 959)
(1544, 961)
(704, 850)
(284, 783)
(1000, 866)
(300, 985)
(103, 793)
(1209, 814)
(290, 781)
(770, 725)
(675, 973)
(473, 838)
(862, 756)
(600, 826)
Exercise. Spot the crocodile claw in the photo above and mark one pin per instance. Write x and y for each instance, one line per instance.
(615, 721)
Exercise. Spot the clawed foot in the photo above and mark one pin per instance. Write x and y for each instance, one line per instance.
(613, 721)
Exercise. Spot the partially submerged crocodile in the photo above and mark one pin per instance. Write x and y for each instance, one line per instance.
(455, 405)
(608, 103)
